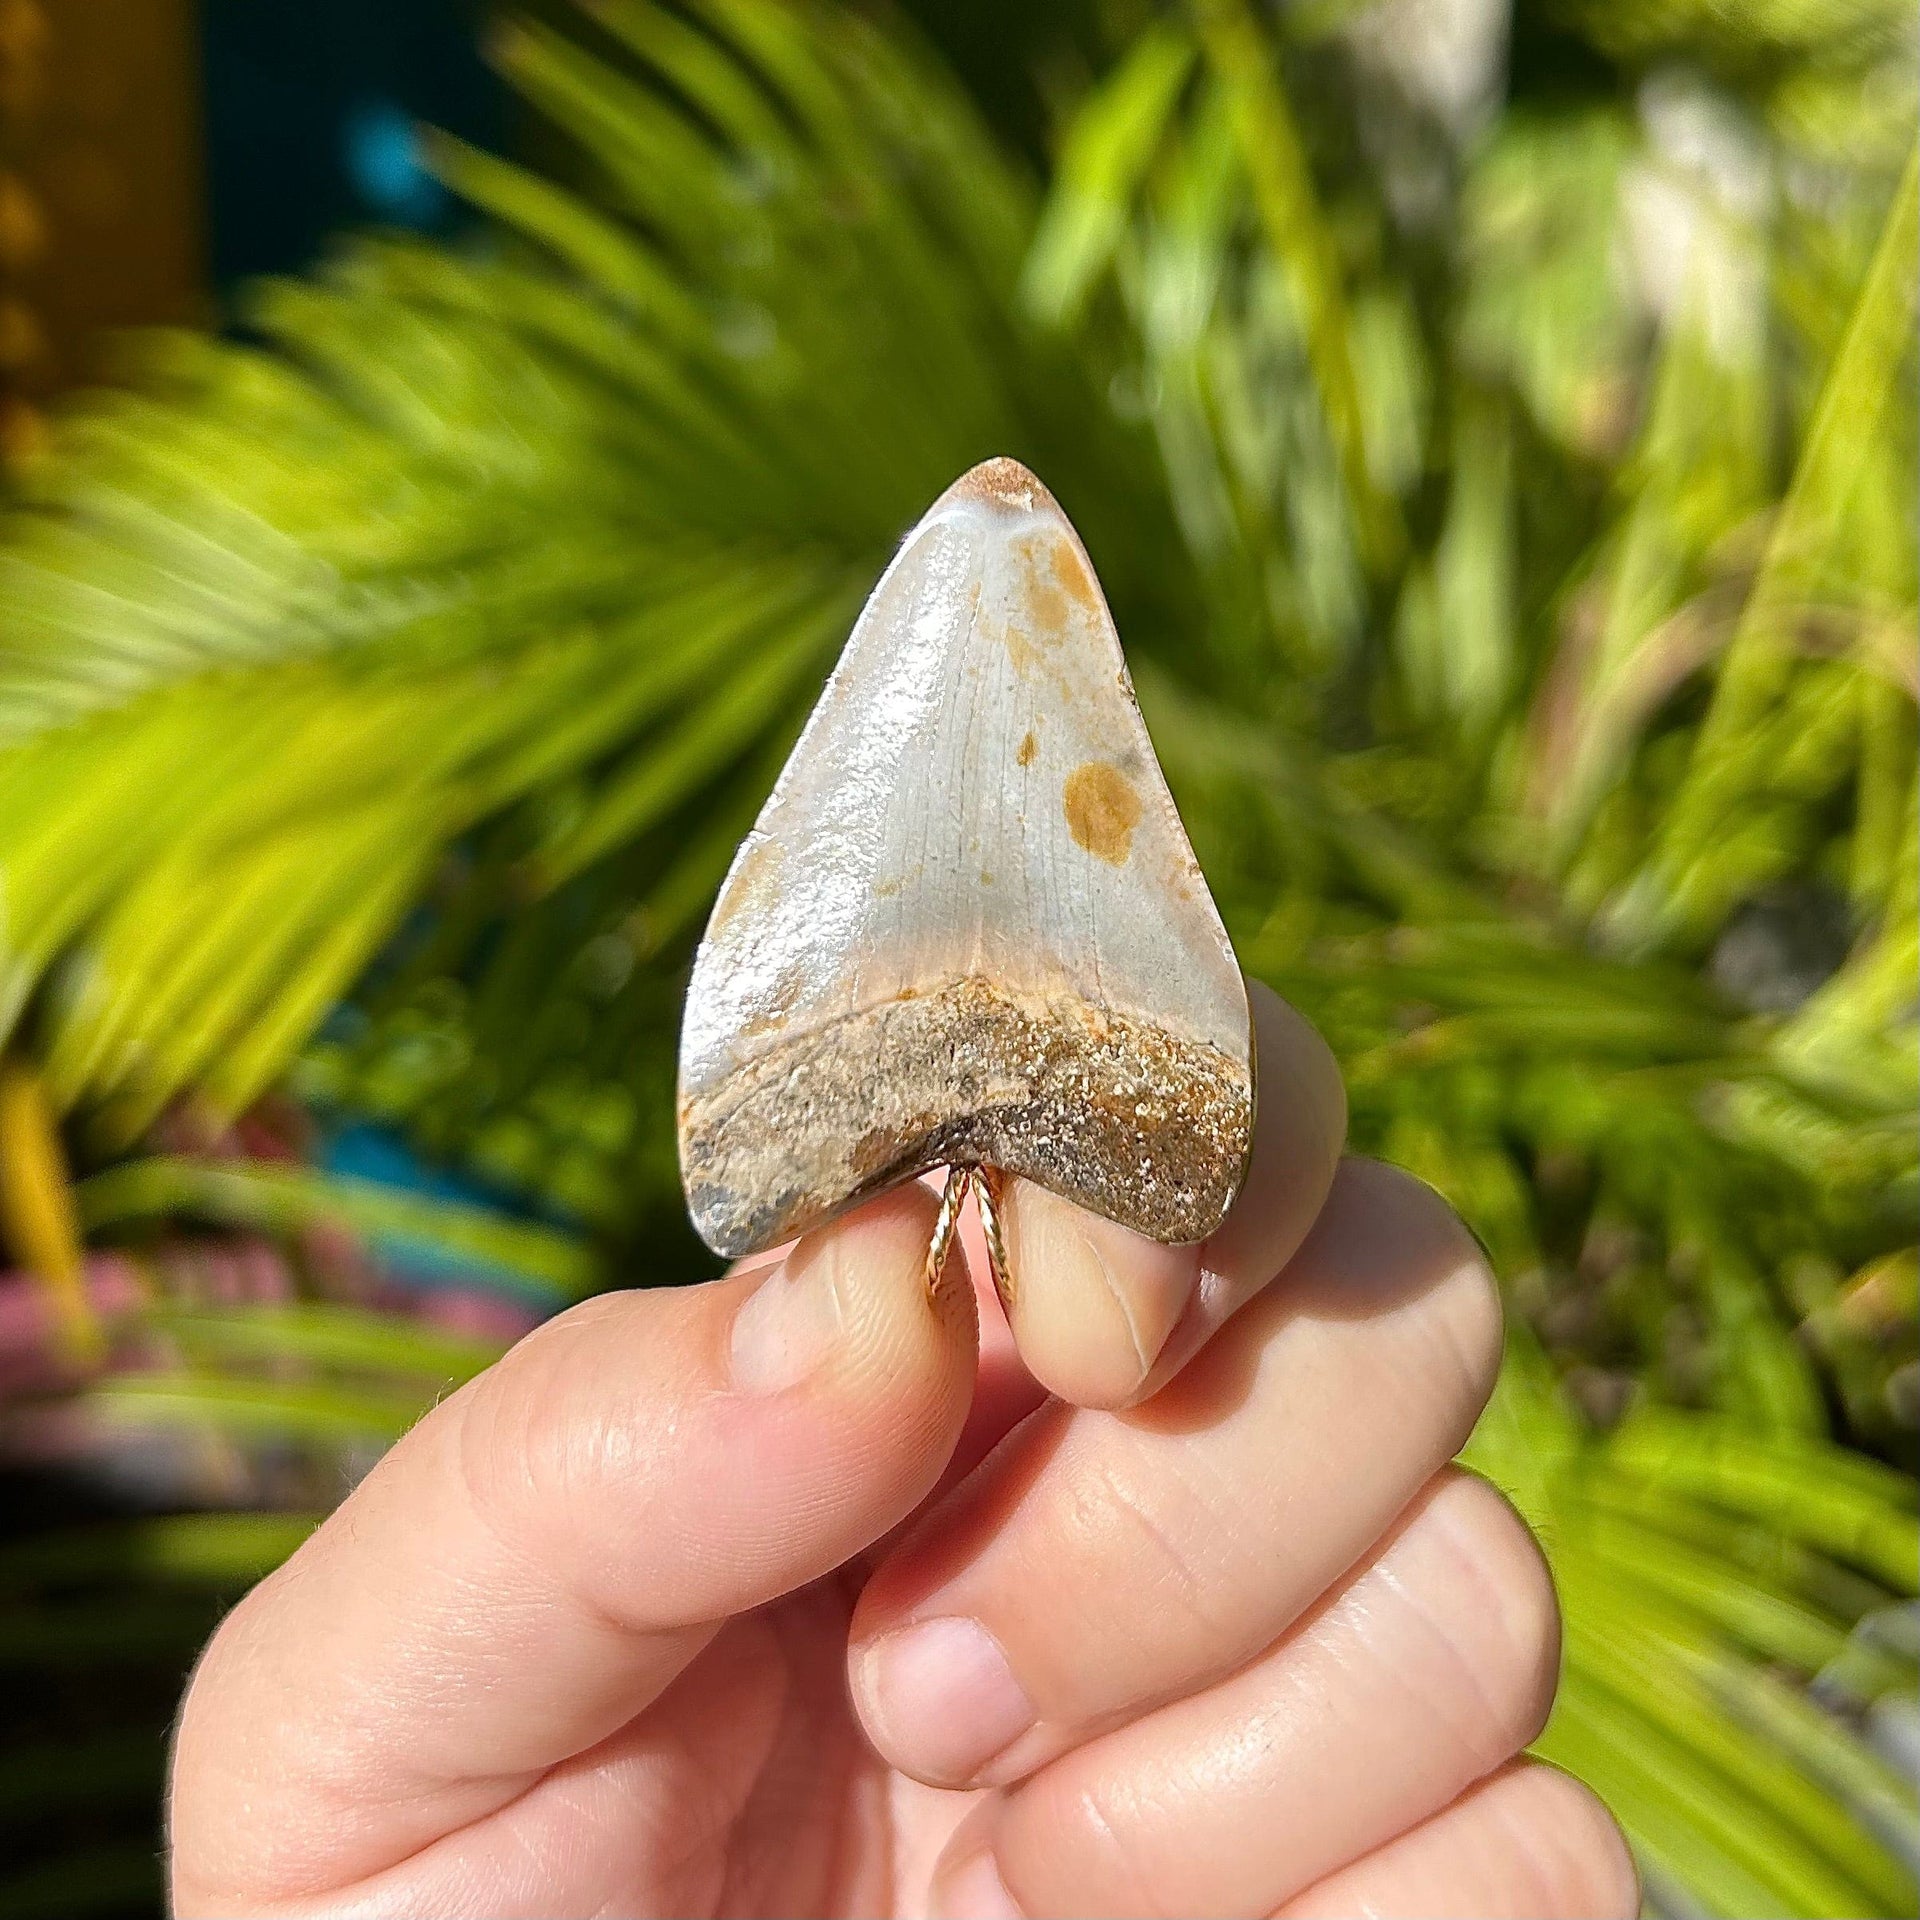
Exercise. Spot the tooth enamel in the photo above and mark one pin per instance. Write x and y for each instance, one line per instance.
(967, 927)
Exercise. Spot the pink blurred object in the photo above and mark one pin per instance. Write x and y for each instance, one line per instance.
(223, 1273)
(30, 1360)
(476, 1312)
(50, 1421)
(189, 1273)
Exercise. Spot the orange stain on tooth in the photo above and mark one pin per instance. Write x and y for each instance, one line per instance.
(1102, 811)
(1075, 581)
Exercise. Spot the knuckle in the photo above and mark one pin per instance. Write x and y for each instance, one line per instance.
(526, 1444)
(542, 1446)
(1471, 1318)
(1498, 1617)
(1444, 1275)
(1156, 1524)
(1566, 1850)
(1089, 1828)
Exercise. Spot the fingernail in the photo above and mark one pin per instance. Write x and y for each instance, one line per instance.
(940, 1699)
(973, 1891)
(788, 1325)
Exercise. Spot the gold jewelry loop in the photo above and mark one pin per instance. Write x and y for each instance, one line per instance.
(952, 1197)
(988, 1185)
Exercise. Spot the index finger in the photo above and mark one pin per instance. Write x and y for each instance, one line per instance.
(1103, 1316)
(526, 1571)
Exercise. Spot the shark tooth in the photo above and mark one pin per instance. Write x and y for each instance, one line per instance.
(968, 929)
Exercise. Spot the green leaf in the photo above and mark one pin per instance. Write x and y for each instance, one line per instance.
(1110, 145)
(291, 1199)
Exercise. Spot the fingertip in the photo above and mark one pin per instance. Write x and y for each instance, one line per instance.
(1180, 1297)
(1103, 1316)
(1093, 1303)
(904, 1342)
(779, 1419)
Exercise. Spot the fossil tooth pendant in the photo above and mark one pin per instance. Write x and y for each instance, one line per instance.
(967, 929)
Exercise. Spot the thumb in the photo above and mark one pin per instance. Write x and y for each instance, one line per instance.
(540, 1556)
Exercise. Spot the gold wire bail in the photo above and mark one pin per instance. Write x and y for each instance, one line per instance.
(989, 1183)
(986, 1184)
(945, 1223)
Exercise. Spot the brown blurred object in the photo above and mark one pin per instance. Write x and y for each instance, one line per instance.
(100, 189)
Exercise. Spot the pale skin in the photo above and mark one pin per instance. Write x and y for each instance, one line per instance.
(797, 1593)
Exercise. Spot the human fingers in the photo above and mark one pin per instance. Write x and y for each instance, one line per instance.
(1102, 1315)
(544, 1552)
(1424, 1673)
(1100, 1564)
(1529, 1844)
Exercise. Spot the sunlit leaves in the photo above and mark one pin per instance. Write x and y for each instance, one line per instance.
(1519, 577)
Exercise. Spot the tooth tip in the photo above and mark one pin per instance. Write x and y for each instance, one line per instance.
(1002, 482)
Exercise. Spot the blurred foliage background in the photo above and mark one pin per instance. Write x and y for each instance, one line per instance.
(1495, 431)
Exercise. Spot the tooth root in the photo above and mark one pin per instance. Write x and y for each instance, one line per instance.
(968, 928)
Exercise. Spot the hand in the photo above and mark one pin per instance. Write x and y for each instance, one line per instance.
(791, 1594)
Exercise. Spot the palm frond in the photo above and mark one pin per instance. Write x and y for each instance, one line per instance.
(609, 521)
(1515, 549)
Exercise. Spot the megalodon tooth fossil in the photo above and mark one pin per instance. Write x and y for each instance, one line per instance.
(968, 929)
